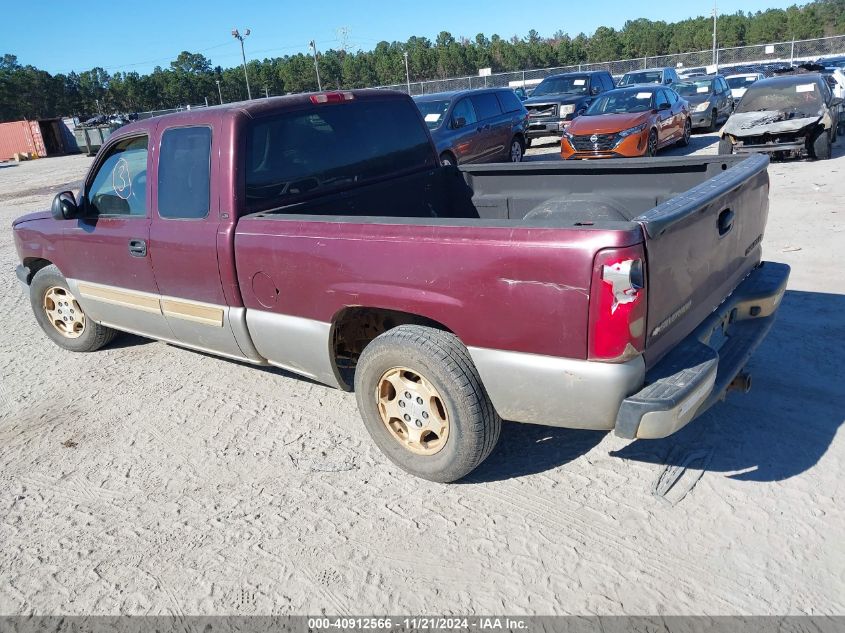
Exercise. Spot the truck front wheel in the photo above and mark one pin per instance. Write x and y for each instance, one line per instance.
(423, 403)
(58, 313)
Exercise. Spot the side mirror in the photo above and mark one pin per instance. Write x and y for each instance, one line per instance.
(668, 81)
(64, 206)
(664, 106)
(595, 90)
(459, 122)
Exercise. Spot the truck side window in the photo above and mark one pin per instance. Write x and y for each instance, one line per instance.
(184, 167)
(120, 186)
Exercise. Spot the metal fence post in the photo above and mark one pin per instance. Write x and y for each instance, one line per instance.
(792, 52)
(645, 62)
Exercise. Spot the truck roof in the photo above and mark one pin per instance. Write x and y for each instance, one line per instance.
(254, 108)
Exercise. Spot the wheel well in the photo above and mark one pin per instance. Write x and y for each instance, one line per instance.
(354, 328)
(34, 264)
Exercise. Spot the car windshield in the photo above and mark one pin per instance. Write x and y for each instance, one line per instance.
(562, 85)
(621, 102)
(433, 112)
(803, 99)
(694, 87)
(741, 82)
(643, 77)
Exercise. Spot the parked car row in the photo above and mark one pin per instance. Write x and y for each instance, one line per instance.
(646, 111)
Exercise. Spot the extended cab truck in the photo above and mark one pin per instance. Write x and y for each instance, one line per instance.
(284, 231)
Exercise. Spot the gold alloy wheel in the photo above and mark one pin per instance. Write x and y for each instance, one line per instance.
(63, 312)
(412, 411)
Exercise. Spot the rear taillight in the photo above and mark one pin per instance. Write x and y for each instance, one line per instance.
(332, 97)
(617, 305)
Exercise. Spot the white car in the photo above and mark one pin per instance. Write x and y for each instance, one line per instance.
(739, 83)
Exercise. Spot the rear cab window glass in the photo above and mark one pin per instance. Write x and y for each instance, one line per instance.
(184, 173)
(120, 185)
(304, 153)
(486, 106)
(508, 101)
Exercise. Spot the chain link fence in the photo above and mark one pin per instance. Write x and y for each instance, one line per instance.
(726, 58)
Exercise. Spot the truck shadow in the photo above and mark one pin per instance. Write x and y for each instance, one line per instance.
(786, 424)
(527, 449)
(779, 430)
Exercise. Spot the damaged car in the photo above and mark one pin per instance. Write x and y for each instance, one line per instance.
(792, 115)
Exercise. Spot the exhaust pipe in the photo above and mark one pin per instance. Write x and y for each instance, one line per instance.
(741, 383)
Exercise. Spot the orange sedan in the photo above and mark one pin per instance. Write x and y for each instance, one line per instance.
(628, 122)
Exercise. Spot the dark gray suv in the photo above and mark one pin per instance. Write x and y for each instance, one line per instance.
(476, 126)
(560, 98)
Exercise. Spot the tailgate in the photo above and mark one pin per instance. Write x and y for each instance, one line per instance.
(699, 246)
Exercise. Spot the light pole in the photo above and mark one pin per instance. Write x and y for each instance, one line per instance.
(236, 34)
(316, 65)
(219, 92)
(714, 33)
(407, 74)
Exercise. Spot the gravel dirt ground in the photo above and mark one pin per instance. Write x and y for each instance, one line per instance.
(148, 479)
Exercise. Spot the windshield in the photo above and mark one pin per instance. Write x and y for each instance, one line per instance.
(643, 77)
(433, 112)
(621, 102)
(562, 85)
(803, 99)
(328, 147)
(741, 82)
(693, 88)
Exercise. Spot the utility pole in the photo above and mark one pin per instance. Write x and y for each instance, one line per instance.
(236, 34)
(715, 13)
(316, 65)
(407, 74)
(219, 92)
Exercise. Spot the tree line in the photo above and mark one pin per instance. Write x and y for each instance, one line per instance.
(28, 92)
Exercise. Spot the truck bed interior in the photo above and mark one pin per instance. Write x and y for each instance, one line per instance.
(545, 194)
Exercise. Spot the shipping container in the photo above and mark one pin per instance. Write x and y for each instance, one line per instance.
(41, 138)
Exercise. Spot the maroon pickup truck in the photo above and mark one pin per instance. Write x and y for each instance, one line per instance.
(319, 233)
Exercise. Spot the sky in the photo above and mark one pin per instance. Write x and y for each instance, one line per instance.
(138, 36)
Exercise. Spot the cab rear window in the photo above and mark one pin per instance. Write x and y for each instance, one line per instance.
(301, 154)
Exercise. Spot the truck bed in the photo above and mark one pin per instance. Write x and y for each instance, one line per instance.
(540, 194)
(674, 205)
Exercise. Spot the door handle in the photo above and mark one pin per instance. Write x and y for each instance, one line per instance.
(137, 248)
(726, 221)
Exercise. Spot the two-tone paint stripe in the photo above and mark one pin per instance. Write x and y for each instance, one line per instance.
(194, 311)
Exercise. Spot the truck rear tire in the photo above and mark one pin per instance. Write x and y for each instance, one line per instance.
(423, 403)
(821, 146)
(60, 316)
(725, 146)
